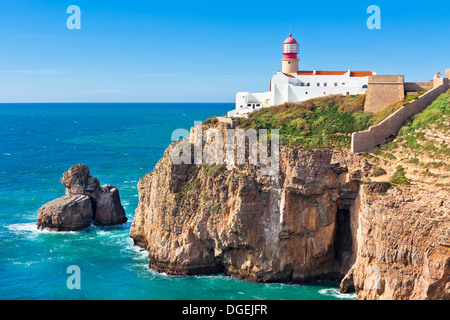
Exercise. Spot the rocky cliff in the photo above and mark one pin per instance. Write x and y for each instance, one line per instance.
(319, 217)
(403, 244)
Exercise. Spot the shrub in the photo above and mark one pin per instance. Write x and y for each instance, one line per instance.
(399, 176)
(378, 172)
(215, 207)
(414, 161)
(325, 122)
(193, 185)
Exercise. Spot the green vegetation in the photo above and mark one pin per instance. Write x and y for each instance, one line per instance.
(436, 115)
(386, 112)
(378, 187)
(412, 134)
(378, 172)
(211, 170)
(414, 161)
(399, 176)
(215, 207)
(325, 122)
(413, 96)
(180, 196)
(193, 185)
(212, 120)
(385, 149)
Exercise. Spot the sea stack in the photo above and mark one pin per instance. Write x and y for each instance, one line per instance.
(85, 201)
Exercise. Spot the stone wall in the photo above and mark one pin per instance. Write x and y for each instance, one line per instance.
(379, 134)
(418, 86)
(383, 90)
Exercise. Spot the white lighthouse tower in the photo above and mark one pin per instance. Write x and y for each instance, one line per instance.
(289, 50)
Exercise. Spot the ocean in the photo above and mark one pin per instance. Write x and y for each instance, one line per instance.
(119, 142)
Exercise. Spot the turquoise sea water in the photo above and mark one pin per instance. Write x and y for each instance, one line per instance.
(120, 143)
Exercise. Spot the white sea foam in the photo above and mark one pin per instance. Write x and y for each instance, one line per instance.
(31, 228)
(334, 292)
(20, 227)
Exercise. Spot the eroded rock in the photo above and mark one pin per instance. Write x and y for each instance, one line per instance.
(85, 201)
(67, 213)
(109, 210)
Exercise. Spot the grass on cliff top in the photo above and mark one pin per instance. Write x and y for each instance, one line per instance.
(325, 122)
(412, 135)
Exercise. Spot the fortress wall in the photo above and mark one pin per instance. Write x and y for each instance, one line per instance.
(383, 90)
(418, 86)
(379, 134)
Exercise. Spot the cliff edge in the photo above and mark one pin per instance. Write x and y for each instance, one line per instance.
(325, 214)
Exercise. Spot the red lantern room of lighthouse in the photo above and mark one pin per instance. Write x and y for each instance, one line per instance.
(289, 50)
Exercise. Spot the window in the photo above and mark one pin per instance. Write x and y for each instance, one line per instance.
(318, 84)
(249, 105)
(343, 83)
(364, 86)
(325, 84)
(307, 84)
(306, 92)
(335, 84)
(290, 48)
(324, 93)
(302, 84)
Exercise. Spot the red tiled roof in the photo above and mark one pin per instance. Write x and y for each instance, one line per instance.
(360, 73)
(335, 73)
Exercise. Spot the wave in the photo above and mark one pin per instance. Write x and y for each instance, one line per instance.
(28, 227)
(31, 227)
(334, 292)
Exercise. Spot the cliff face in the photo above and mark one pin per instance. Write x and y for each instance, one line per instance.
(403, 244)
(315, 219)
(295, 226)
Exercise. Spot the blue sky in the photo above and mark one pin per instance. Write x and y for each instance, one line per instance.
(204, 51)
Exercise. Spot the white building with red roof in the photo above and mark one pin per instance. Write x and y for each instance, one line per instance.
(293, 85)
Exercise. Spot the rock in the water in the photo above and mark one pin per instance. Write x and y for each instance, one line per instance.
(109, 210)
(68, 213)
(78, 180)
(84, 202)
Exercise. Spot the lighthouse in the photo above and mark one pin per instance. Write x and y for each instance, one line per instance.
(294, 85)
(289, 50)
